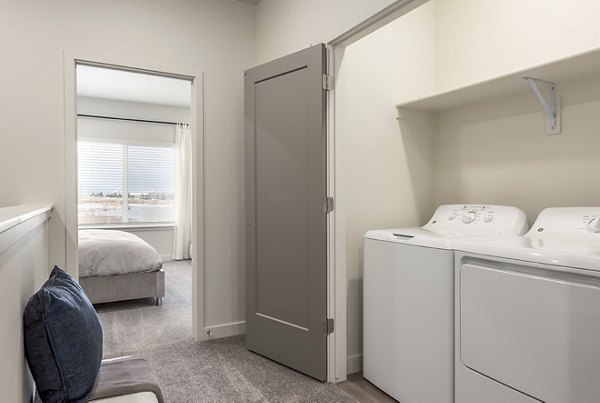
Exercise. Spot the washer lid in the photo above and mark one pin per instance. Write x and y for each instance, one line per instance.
(452, 222)
(568, 236)
(419, 236)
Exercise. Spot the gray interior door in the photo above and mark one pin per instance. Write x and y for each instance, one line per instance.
(286, 249)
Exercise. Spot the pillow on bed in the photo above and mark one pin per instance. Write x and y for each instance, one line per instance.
(63, 340)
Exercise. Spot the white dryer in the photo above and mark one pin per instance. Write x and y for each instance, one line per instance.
(408, 299)
(528, 313)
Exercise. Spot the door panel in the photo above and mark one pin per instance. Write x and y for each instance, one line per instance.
(286, 282)
(282, 181)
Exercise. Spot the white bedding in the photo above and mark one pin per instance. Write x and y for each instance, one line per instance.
(110, 252)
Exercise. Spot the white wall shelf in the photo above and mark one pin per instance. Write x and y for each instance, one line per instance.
(12, 216)
(17, 221)
(567, 69)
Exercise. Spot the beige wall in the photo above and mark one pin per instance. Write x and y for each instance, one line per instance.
(287, 26)
(160, 239)
(482, 39)
(498, 152)
(214, 36)
(388, 165)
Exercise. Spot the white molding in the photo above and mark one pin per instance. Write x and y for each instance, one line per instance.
(354, 363)
(198, 210)
(11, 216)
(338, 363)
(336, 237)
(383, 17)
(71, 59)
(15, 227)
(70, 129)
(225, 330)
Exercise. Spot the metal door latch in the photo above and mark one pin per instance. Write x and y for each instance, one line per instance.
(327, 82)
(329, 204)
(329, 326)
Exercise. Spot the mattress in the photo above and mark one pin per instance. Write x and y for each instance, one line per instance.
(111, 252)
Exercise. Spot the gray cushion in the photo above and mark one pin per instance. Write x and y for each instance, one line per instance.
(63, 340)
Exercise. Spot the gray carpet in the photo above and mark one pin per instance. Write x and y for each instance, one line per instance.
(219, 370)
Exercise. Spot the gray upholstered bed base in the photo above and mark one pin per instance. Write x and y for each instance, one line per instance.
(122, 287)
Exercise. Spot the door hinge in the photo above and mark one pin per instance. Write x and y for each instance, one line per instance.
(329, 326)
(327, 82)
(329, 204)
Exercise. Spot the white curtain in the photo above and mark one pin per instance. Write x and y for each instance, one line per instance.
(182, 239)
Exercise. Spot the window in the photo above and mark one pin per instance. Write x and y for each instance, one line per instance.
(125, 183)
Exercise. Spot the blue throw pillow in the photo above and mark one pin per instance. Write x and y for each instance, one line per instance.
(63, 340)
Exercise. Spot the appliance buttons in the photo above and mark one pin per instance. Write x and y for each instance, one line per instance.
(594, 225)
(469, 217)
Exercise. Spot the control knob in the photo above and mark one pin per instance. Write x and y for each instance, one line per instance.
(469, 217)
(488, 218)
(594, 225)
(452, 216)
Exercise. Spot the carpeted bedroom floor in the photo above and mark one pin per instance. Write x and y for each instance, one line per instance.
(220, 370)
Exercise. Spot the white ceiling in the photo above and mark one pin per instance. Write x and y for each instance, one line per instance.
(129, 86)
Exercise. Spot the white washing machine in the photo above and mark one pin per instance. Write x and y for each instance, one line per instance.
(408, 299)
(528, 313)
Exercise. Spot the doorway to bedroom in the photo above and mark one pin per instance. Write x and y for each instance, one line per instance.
(134, 202)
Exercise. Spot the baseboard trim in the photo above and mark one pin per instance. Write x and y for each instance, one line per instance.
(354, 363)
(226, 329)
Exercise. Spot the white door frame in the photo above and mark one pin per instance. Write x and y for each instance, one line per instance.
(336, 225)
(71, 59)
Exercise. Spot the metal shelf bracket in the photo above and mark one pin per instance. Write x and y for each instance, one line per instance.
(550, 107)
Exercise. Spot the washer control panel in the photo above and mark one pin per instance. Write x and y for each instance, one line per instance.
(478, 218)
(568, 221)
(468, 214)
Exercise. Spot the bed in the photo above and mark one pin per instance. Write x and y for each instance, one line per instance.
(117, 266)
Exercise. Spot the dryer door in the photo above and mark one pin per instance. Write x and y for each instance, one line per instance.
(533, 329)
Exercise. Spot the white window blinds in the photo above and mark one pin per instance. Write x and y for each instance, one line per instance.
(123, 183)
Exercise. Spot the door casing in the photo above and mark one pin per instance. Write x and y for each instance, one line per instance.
(337, 361)
(71, 59)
